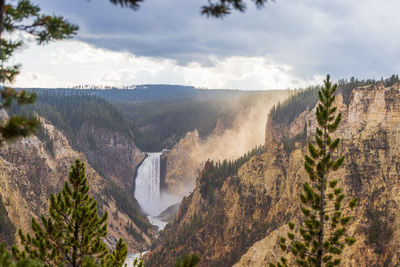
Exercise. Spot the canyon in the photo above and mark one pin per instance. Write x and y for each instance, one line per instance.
(230, 219)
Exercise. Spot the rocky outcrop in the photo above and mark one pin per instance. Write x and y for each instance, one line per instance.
(250, 210)
(33, 168)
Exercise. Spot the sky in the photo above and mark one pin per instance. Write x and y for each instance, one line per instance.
(285, 44)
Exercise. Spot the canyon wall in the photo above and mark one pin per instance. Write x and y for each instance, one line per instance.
(33, 168)
(110, 153)
(250, 210)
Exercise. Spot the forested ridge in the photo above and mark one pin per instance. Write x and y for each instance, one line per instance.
(153, 116)
(69, 112)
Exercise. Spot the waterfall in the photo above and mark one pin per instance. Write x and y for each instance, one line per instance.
(148, 192)
(147, 185)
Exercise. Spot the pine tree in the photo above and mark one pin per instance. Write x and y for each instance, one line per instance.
(7, 261)
(118, 256)
(74, 230)
(323, 231)
(23, 16)
(138, 262)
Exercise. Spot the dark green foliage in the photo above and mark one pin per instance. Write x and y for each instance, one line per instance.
(70, 112)
(188, 261)
(44, 28)
(346, 87)
(222, 8)
(289, 144)
(118, 255)
(127, 204)
(134, 4)
(23, 16)
(392, 80)
(138, 262)
(7, 228)
(214, 174)
(379, 231)
(17, 125)
(6, 260)
(285, 112)
(135, 234)
(217, 8)
(173, 239)
(73, 232)
(322, 233)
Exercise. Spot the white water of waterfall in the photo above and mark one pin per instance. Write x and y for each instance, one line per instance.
(148, 191)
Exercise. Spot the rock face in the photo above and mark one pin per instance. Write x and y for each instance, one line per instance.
(181, 168)
(251, 209)
(110, 153)
(31, 169)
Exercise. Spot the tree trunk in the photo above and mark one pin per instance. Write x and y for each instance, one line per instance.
(2, 11)
(322, 211)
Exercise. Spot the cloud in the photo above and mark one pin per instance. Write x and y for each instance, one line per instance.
(74, 62)
(307, 38)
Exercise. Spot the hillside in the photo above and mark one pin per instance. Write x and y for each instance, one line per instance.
(251, 208)
(33, 168)
(98, 130)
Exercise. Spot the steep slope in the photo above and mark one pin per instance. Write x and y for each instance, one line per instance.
(110, 153)
(33, 168)
(226, 141)
(250, 210)
(371, 145)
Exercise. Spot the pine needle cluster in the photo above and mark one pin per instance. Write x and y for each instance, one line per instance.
(23, 16)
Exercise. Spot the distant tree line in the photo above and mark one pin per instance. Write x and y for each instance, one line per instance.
(286, 111)
(162, 123)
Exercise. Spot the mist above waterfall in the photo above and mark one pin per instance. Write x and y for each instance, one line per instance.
(226, 142)
(246, 132)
